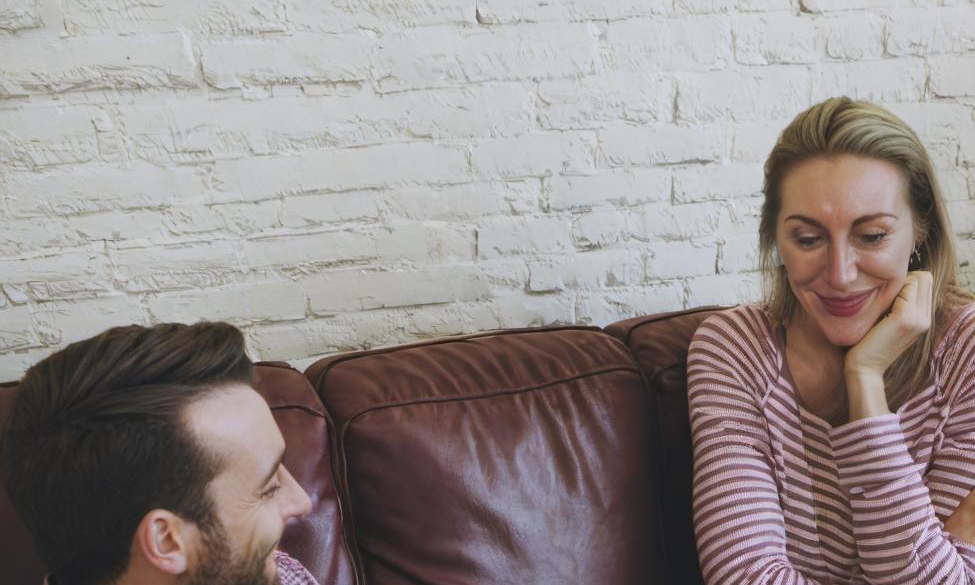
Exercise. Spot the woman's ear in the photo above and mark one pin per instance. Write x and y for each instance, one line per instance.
(164, 541)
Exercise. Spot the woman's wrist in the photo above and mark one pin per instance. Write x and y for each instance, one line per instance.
(866, 392)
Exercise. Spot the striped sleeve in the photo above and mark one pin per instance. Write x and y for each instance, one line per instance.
(898, 506)
(738, 519)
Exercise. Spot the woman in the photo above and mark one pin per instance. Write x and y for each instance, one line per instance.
(834, 425)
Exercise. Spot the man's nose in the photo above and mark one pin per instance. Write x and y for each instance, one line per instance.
(296, 502)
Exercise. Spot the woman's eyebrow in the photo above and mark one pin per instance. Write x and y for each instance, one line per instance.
(857, 221)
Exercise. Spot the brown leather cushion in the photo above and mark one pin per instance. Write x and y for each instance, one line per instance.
(315, 540)
(513, 457)
(659, 343)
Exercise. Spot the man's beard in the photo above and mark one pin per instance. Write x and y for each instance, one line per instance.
(219, 567)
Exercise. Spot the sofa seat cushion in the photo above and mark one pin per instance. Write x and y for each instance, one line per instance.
(510, 457)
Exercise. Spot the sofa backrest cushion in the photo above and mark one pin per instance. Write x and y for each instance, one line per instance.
(498, 458)
(659, 343)
(315, 540)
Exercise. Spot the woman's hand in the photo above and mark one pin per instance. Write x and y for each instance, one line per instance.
(961, 523)
(866, 362)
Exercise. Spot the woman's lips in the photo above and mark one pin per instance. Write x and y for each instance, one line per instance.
(845, 306)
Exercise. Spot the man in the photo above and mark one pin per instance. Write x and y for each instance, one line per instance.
(144, 456)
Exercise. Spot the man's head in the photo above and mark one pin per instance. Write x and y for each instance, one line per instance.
(254, 494)
(122, 454)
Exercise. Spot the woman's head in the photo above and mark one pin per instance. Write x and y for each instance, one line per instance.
(838, 159)
(837, 127)
(845, 234)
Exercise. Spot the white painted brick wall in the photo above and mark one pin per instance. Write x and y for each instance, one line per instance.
(682, 258)
(236, 63)
(778, 38)
(616, 188)
(241, 305)
(590, 102)
(524, 236)
(507, 11)
(590, 270)
(642, 146)
(358, 290)
(716, 182)
(536, 155)
(36, 68)
(357, 173)
(686, 43)
(60, 322)
(612, 304)
(452, 203)
(764, 93)
(882, 80)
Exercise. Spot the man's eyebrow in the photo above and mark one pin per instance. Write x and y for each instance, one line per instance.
(274, 469)
(856, 222)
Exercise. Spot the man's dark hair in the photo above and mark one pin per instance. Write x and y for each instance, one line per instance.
(95, 440)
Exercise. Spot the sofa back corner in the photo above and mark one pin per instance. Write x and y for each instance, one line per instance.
(316, 540)
(659, 344)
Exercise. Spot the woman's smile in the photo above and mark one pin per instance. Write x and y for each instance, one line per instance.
(845, 234)
(847, 305)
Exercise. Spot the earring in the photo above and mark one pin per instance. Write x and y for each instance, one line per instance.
(915, 261)
(776, 259)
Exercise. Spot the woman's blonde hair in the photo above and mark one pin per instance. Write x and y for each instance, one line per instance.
(840, 126)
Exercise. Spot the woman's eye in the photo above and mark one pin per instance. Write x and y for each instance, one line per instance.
(807, 241)
(269, 492)
(873, 238)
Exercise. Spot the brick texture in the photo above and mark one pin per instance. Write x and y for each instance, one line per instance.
(339, 175)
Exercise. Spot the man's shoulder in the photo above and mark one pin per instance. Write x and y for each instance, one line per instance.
(291, 572)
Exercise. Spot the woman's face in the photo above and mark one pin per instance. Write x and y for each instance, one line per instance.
(845, 234)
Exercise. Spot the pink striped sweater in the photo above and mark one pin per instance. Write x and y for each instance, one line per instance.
(782, 497)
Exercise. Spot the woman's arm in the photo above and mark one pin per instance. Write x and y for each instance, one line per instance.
(897, 504)
(899, 536)
(738, 519)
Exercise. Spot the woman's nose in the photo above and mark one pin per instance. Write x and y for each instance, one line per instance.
(842, 266)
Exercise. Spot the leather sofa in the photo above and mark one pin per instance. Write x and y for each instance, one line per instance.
(546, 456)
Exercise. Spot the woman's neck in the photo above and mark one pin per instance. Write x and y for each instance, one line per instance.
(817, 370)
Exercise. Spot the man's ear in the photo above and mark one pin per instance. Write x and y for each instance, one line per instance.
(165, 541)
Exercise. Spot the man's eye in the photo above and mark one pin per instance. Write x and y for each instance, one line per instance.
(271, 491)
